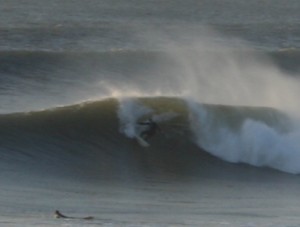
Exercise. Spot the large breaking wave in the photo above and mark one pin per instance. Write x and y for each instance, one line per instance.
(96, 138)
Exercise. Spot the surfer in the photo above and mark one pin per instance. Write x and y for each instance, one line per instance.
(58, 214)
(151, 129)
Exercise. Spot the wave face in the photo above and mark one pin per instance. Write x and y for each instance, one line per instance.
(96, 139)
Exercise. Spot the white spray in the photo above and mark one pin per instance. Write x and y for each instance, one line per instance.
(254, 143)
(130, 111)
(212, 73)
(209, 72)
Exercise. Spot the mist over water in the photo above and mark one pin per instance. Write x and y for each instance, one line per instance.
(208, 72)
(211, 72)
(203, 65)
(199, 66)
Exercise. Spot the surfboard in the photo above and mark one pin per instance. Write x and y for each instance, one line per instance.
(141, 141)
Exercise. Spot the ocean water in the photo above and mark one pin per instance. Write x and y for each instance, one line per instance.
(220, 77)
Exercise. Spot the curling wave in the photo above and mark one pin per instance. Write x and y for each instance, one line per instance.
(97, 138)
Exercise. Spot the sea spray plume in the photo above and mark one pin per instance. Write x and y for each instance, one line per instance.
(130, 110)
(224, 73)
(209, 72)
(212, 73)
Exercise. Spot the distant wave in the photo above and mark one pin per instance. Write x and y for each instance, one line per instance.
(28, 61)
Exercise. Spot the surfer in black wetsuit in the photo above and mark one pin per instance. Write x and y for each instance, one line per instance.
(58, 214)
(151, 130)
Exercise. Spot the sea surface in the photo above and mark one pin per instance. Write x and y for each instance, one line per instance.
(220, 77)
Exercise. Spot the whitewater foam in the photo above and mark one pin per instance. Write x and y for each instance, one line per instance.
(255, 142)
(129, 112)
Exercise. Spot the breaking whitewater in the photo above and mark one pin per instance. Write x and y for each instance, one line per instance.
(103, 133)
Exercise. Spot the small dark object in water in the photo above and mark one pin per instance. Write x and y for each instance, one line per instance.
(57, 214)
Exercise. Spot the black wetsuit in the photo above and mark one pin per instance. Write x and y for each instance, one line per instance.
(151, 130)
